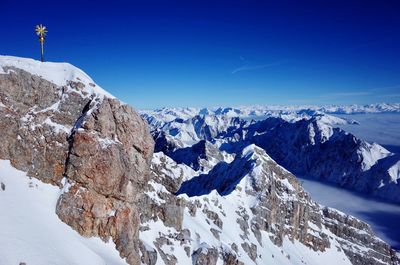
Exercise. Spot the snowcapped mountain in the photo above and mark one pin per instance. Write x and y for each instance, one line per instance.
(289, 113)
(200, 127)
(249, 211)
(313, 148)
(307, 144)
(78, 163)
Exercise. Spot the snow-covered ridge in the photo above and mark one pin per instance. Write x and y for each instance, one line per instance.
(58, 73)
(311, 146)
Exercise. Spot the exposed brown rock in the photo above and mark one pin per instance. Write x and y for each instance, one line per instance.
(100, 146)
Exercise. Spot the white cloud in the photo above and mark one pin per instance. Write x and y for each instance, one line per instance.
(248, 67)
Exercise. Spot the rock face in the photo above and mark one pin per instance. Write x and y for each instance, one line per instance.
(200, 156)
(63, 129)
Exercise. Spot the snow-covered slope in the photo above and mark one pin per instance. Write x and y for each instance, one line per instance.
(308, 145)
(60, 74)
(200, 127)
(249, 211)
(32, 232)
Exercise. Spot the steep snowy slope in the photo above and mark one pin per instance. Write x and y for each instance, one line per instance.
(249, 211)
(60, 74)
(32, 232)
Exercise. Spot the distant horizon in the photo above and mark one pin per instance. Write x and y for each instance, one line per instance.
(270, 105)
(220, 53)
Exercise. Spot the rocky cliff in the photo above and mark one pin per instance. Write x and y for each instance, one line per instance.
(61, 128)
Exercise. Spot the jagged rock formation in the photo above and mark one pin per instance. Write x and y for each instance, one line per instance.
(313, 148)
(61, 128)
(306, 145)
(202, 155)
(260, 215)
(235, 211)
(200, 127)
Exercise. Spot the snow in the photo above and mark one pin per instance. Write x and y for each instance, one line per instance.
(157, 188)
(57, 127)
(229, 208)
(57, 73)
(53, 107)
(286, 183)
(203, 190)
(325, 130)
(371, 153)
(172, 170)
(394, 172)
(106, 142)
(31, 231)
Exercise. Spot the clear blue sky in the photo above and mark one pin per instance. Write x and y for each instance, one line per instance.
(208, 53)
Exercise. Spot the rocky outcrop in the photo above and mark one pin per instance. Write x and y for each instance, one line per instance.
(200, 156)
(63, 129)
(355, 234)
(184, 133)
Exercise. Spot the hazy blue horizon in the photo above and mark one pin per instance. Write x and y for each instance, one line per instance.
(298, 106)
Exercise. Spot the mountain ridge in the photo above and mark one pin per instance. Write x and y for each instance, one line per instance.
(309, 146)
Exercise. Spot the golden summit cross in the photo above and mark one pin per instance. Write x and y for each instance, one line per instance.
(41, 31)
